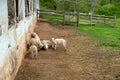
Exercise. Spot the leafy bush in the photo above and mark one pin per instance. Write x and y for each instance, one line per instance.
(109, 10)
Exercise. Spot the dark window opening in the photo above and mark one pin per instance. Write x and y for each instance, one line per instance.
(27, 8)
(17, 8)
(31, 5)
(11, 13)
(17, 15)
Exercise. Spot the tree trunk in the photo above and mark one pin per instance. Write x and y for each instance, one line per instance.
(93, 6)
(75, 3)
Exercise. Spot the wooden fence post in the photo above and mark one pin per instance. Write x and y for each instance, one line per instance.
(63, 12)
(90, 15)
(77, 18)
(104, 19)
(115, 21)
(37, 14)
(97, 19)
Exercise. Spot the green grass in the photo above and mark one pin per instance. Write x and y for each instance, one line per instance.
(106, 35)
(52, 18)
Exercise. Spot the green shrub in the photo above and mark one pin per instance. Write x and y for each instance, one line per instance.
(109, 10)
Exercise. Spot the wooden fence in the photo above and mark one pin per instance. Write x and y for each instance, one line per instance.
(80, 17)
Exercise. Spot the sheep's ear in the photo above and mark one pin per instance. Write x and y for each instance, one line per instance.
(32, 35)
(52, 38)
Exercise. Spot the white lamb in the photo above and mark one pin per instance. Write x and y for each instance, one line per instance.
(33, 51)
(46, 44)
(37, 42)
(58, 41)
(34, 35)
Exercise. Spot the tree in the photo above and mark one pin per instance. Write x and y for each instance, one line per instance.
(75, 4)
(93, 6)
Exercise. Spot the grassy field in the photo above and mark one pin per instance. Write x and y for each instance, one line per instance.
(106, 35)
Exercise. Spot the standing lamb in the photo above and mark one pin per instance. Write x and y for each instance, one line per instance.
(34, 35)
(55, 42)
(37, 42)
(35, 39)
(33, 51)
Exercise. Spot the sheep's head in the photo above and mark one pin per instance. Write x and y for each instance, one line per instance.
(53, 39)
(33, 35)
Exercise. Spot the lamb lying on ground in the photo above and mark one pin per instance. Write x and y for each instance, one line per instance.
(46, 44)
(33, 51)
(55, 42)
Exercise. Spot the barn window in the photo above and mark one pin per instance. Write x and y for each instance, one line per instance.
(31, 5)
(11, 13)
(16, 8)
(20, 10)
(27, 8)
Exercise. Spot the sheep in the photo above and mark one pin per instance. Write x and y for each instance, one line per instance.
(34, 35)
(33, 51)
(35, 39)
(36, 42)
(55, 42)
(46, 44)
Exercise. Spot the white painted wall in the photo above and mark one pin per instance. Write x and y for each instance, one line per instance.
(21, 10)
(3, 16)
(10, 40)
(10, 58)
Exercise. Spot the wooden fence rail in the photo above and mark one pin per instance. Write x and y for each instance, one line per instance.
(93, 19)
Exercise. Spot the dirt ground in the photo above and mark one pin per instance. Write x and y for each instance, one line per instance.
(83, 60)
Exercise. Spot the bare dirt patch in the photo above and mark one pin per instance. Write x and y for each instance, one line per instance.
(83, 60)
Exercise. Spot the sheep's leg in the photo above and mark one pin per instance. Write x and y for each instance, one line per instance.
(55, 46)
(32, 55)
(64, 44)
(35, 54)
(46, 46)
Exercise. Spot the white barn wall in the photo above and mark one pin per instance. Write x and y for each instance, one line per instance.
(3, 16)
(13, 42)
(10, 58)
